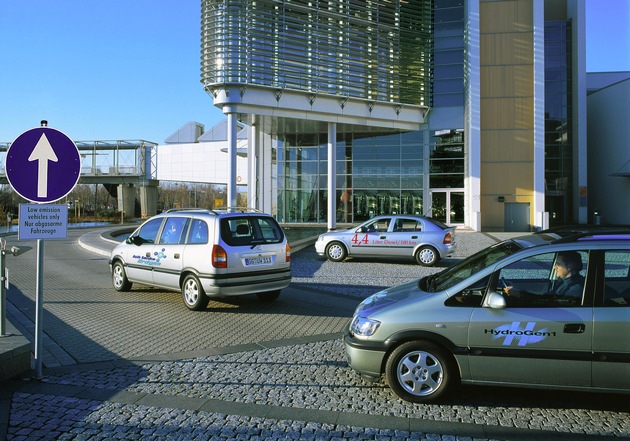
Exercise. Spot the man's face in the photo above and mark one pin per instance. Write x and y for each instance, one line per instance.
(561, 268)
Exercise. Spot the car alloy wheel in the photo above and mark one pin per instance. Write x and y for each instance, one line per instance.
(426, 256)
(336, 252)
(194, 296)
(419, 372)
(119, 278)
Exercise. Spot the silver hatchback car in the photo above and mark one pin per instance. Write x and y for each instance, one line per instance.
(206, 253)
(395, 236)
(545, 310)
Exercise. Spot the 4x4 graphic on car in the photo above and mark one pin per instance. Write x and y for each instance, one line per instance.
(206, 253)
(556, 303)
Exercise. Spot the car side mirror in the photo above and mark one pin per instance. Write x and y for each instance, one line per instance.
(496, 301)
(136, 240)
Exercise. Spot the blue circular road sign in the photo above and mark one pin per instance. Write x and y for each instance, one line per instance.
(43, 165)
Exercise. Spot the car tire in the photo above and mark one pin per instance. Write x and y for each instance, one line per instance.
(420, 372)
(427, 256)
(268, 296)
(119, 278)
(193, 294)
(336, 251)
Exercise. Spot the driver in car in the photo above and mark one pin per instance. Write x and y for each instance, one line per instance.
(570, 283)
(567, 287)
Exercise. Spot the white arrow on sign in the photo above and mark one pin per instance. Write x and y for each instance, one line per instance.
(43, 152)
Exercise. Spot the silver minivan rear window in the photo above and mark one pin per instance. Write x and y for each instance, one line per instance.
(250, 230)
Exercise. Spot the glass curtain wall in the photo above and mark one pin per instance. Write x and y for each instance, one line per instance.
(374, 175)
(558, 122)
(448, 54)
(446, 152)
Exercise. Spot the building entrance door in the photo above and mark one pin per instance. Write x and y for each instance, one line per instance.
(447, 205)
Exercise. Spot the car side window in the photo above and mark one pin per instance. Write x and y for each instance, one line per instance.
(379, 226)
(408, 225)
(470, 296)
(173, 231)
(544, 280)
(198, 232)
(148, 232)
(617, 278)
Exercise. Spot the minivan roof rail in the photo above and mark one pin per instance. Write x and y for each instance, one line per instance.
(574, 236)
(204, 210)
(241, 209)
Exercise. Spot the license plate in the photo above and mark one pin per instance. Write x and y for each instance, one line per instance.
(255, 261)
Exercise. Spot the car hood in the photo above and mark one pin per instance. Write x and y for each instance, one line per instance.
(398, 295)
(338, 232)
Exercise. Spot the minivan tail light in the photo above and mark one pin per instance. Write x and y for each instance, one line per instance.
(448, 238)
(219, 257)
(288, 255)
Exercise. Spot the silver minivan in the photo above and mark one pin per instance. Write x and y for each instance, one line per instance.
(548, 310)
(206, 253)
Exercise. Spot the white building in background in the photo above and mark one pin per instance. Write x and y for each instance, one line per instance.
(608, 152)
(193, 155)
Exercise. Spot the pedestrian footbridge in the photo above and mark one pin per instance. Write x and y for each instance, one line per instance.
(121, 166)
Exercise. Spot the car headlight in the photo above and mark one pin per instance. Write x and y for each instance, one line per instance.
(364, 326)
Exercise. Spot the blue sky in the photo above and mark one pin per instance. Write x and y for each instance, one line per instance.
(129, 69)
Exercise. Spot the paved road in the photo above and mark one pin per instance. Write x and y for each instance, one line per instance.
(139, 365)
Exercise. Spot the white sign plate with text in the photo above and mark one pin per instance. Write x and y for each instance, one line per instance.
(43, 221)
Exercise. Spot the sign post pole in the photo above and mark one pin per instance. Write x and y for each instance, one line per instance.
(3, 291)
(42, 165)
(39, 310)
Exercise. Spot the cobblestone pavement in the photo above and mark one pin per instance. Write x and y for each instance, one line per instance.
(297, 388)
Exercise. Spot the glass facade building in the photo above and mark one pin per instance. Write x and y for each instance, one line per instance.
(389, 173)
(405, 53)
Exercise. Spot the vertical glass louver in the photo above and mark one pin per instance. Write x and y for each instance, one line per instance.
(369, 49)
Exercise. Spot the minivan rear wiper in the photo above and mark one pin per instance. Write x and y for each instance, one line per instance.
(255, 242)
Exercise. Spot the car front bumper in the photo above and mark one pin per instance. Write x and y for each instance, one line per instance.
(367, 362)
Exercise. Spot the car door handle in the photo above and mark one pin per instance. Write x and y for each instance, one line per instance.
(574, 328)
(414, 237)
(382, 237)
(176, 255)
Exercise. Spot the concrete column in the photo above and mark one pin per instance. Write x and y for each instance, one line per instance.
(266, 182)
(148, 201)
(253, 185)
(332, 181)
(231, 181)
(127, 200)
(472, 121)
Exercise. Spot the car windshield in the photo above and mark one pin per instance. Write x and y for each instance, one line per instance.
(470, 266)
